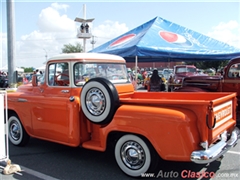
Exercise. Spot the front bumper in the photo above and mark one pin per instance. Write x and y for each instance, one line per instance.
(217, 150)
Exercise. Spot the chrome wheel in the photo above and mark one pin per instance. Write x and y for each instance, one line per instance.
(95, 101)
(133, 155)
(15, 131)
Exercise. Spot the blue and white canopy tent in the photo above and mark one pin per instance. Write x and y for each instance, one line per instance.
(159, 40)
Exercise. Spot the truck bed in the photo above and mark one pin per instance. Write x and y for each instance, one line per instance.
(176, 98)
(213, 110)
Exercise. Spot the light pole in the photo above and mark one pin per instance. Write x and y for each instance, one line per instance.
(84, 33)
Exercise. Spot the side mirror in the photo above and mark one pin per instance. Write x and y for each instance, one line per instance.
(34, 80)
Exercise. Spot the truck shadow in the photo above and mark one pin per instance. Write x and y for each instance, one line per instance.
(57, 161)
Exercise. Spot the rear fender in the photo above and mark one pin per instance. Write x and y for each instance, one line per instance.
(169, 129)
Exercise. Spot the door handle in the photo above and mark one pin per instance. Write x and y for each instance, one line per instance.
(65, 91)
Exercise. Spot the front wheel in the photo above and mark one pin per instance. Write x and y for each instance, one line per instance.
(134, 156)
(17, 134)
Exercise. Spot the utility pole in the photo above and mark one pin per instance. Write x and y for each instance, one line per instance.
(12, 74)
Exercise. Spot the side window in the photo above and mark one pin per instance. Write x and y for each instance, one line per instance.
(58, 74)
(234, 71)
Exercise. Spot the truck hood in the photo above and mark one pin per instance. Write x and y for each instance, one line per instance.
(189, 74)
(204, 77)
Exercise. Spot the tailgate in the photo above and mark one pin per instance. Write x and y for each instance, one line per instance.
(222, 116)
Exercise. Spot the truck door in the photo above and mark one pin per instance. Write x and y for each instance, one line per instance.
(50, 118)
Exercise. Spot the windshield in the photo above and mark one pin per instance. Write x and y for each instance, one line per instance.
(186, 69)
(116, 73)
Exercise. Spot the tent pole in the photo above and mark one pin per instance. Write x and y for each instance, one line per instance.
(136, 63)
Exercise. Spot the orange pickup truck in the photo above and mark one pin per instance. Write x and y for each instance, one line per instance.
(88, 100)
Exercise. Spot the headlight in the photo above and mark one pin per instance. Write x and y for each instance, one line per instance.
(178, 81)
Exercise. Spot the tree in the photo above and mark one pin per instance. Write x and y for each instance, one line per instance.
(209, 64)
(69, 48)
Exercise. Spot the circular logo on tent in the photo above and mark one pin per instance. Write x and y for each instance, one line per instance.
(122, 40)
(174, 38)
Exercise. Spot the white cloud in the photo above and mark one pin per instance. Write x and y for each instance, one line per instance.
(107, 31)
(55, 30)
(50, 20)
(227, 32)
(60, 6)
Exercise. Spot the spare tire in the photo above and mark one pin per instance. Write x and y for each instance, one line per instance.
(99, 100)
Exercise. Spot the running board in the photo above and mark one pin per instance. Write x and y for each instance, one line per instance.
(94, 145)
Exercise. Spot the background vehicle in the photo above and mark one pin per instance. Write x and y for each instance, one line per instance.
(182, 71)
(102, 108)
(228, 82)
(167, 72)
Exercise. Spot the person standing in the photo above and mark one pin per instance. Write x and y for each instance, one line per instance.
(155, 82)
(170, 82)
(87, 28)
(82, 28)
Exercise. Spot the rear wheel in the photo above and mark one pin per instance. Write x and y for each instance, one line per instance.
(17, 134)
(134, 155)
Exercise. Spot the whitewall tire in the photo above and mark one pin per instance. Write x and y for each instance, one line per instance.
(16, 132)
(133, 155)
(99, 100)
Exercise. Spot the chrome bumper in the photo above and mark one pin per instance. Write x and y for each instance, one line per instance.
(217, 150)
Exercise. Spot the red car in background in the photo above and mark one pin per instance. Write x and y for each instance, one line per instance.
(182, 71)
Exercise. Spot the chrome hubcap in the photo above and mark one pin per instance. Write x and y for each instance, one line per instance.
(95, 101)
(133, 155)
(14, 131)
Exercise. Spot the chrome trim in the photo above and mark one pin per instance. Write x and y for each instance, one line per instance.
(217, 150)
(71, 99)
(22, 100)
(204, 145)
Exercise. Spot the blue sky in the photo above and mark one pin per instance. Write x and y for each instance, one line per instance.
(41, 28)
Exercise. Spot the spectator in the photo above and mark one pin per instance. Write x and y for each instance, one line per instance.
(25, 80)
(170, 81)
(155, 82)
(87, 28)
(82, 28)
(144, 74)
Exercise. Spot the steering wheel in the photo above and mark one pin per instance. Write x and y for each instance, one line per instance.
(62, 82)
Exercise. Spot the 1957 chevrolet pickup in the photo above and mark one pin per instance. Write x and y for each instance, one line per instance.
(88, 100)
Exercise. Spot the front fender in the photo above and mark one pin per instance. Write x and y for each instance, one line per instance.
(171, 130)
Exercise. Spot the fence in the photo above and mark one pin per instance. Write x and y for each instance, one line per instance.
(4, 149)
